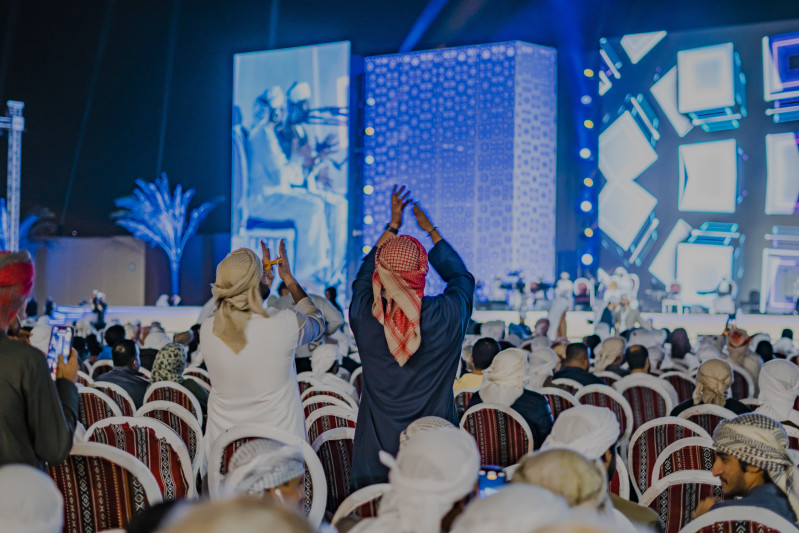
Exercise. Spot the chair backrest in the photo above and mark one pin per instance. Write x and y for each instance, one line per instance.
(228, 442)
(84, 379)
(648, 397)
(183, 423)
(327, 418)
(693, 453)
(650, 440)
(363, 503)
(683, 384)
(559, 400)
(754, 403)
(707, 416)
(503, 436)
(99, 368)
(743, 386)
(739, 519)
(462, 398)
(604, 396)
(198, 374)
(675, 497)
(313, 403)
(356, 380)
(103, 487)
(569, 385)
(327, 391)
(793, 437)
(146, 373)
(608, 377)
(306, 380)
(95, 405)
(334, 449)
(175, 392)
(620, 483)
(154, 444)
(118, 394)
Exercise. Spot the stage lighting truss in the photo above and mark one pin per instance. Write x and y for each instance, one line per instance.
(779, 277)
(610, 66)
(711, 87)
(781, 76)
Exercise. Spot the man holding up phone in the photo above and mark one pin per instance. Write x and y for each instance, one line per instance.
(38, 415)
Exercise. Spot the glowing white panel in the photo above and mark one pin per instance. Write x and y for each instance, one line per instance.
(782, 173)
(624, 150)
(664, 265)
(700, 268)
(705, 78)
(708, 177)
(624, 208)
(665, 92)
(637, 45)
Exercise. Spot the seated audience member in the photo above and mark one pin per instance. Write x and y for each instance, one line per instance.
(113, 334)
(156, 337)
(38, 416)
(93, 345)
(779, 387)
(738, 353)
(627, 318)
(420, 425)
(504, 385)
(754, 467)
(242, 515)
(518, 507)
(433, 478)
(126, 371)
(575, 366)
(521, 329)
(169, 366)
(784, 347)
(594, 432)
(713, 382)
(680, 345)
(31, 502)
(541, 363)
(147, 358)
(325, 368)
(266, 467)
(765, 350)
(610, 356)
(637, 358)
(483, 353)
(592, 341)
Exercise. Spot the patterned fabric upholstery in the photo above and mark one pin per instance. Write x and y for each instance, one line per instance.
(707, 422)
(615, 483)
(603, 400)
(568, 388)
(99, 371)
(98, 494)
(358, 383)
(737, 526)
(369, 509)
(92, 408)
(324, 423)
(647, 447)
(199, 376)
(175, 396)
(740, 388)
(676, 504)
(646, 404)
(462, 400)
(688, 458)
(326, 393)
(608, 378)
(179, 426)
(336, 458)
(124, 406)
(500, 439)
(684, 387)
(82, 380)
(157, 454)
(304, 386)
(310, 408)
(557, 404)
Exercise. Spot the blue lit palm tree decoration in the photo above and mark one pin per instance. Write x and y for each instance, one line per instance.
(158, 217)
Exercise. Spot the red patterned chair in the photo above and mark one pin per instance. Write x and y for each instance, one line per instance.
(569, 385)
(462, 399)
(334, 449)
(103, 487)
(743, 386)
(608, 377)
(118, 394)
(356, 380)
(559, 400)
(94, 405)
(184, 424)
(649, 397)
(707, 416)
(650, 440)
(361, 503)
(327, 391)
(306, 380)
(198, 374)
(99, 368)
(322, 400)
(227, 443)
(693, 453)
(84, 379)
(743, 519)
(620, 483)
(503, 436)
(604, 396)
(155, 445)
(675, 498)
(683, 384)
(327, 418)
(169, 391)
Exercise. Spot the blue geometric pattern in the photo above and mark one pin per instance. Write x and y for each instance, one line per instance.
(472, 132)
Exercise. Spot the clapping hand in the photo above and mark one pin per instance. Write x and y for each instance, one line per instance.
(399, 199)
(421, 219)
(269, 274)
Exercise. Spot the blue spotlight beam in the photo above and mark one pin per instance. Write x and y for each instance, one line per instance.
(431, 11)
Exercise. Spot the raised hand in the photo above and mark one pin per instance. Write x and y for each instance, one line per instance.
(421, 219)
(399, 199)
(269, 273)
(283, 269)
(67, 369)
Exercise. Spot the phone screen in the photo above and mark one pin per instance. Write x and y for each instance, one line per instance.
(490, 481)
(60, 344)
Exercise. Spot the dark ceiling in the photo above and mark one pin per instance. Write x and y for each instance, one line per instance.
(50, 51)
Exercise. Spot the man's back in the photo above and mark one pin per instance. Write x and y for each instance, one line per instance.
(584, 377)
(130, 380)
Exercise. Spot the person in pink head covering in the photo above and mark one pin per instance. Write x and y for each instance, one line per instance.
(409, 343)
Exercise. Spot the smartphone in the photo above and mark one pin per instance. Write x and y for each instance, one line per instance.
(491, 479)
(60, 344)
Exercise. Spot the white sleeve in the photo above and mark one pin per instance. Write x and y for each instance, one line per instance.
(310, 321)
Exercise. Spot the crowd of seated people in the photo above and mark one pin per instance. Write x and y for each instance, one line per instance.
(406, 444)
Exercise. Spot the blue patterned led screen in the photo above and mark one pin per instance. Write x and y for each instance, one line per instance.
(472, 132)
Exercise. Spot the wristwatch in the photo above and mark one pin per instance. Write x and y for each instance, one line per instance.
(392, 229)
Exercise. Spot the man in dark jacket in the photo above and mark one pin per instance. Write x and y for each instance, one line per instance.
(575, 366)
(126, 371)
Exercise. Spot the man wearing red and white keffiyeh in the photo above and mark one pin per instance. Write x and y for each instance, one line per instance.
(409, 344)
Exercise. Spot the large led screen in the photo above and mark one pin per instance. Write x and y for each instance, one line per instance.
(699, 155)
(290, 163)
